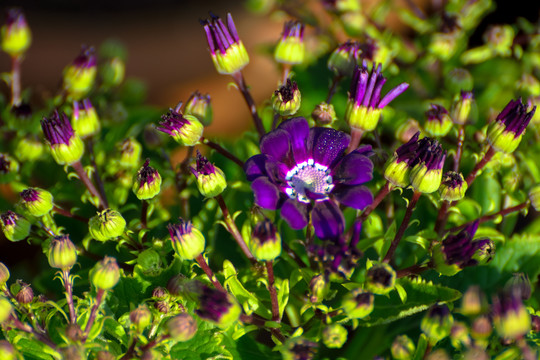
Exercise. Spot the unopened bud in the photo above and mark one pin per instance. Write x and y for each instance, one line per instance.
(380, 279)
(29, 149)
(14, 226)
(25, 295)
(105, 274)
(218, 307)
(162, 306)
(130, 153)
(291, 48)
(297, 348)
(500, 38)
(160, 293)
(510, 317)
(7, 351)
(5, 309)
(287, 99)
(473, 302)
(358, 303)
(147, 183)
(79, 76)
(438, 122)
(403, 348)
(141, 318)
(437, 323)
(4, 274)
(459, 80)
(453, 186)
(16, 35)
(265, 241)
(106, 225)
(199, 105)
(36, 201)
(62, 253)
(334, 336)
(8, 165)
(85, 119)
(182, 327)
(187, 241)
(113, 71)
(481, 329)
(344, 59)
(319, 288)
(324, 114)
(186, 130)
(210, 179)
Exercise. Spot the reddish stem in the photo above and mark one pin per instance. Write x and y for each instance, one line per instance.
(223, 151)
(241, 83)
(204, 265)
(333, 88)
(272, 290)
(459, 150)
(88, 183)
(385, 190)
(68, 213)
(68, 284)
(16, 80)
(474, 173)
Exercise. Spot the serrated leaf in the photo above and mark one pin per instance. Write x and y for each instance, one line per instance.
(420, 296)
(208, 343)
(401, 292)
(34, 349)
(114, 328)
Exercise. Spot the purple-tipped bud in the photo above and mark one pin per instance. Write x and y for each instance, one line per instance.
(130, 153)
(519, 282)
(380, 279)
(210, 179)
(25, 295)
(462, 108)
(344, 59)
(426, 172)
(160, 293)
(287, 99)
(319, 288)
(141, 318)
(16, 36)
(474, 302)
(437, 324)
(66, 146)
(80, 75)
(358, 303)
(105, 274)
(187, 241)
(438, 122)
(444, 43)
(185, 129)
(8, 165)
(199, 106)
(14, 226)
(227, 50)
(182, 327)
(147, 183)
(265, 243)
(62, 253)
(291, 48)
(453, 186)
(36, 201)
(510, 317)
(85, 119)
(365, 104)
(218, 307)
(297, 348)
(504, 134)
(402, 348)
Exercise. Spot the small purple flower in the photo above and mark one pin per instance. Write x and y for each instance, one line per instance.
(57, 129)
(305, 171)
(185, 129)
(460, 249)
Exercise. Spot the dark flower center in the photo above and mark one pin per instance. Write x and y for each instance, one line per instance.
(309, 180)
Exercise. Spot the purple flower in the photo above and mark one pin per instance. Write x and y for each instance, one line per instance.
(185, 129)
(305, 171)
(57, 129)
(460, 249)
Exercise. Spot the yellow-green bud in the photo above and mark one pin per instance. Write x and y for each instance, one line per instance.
(510, 317)
(147, 183)
(16, 35)
(438, 122)
(481, 329)
(186, 130)
(324, 114)
(85, 119)
(287, 99)
(499, 38)
(459, 80)
(474, 302)
(362, 117)
(291, 48)
(62, 253)
(265, 242)
(459, 335)
(36, 201)
(344, 59)
(141, 318)
(113, 71)
(334, 336)
(358, 303)
(534, 196)
(14, 226)
(106, 225)
(199, 106)
(66, 146)
(218, 307)
(5, 309)
(402, 348)
(437, 323)
(130, 153)
(105, 274)
(298, 348)
(7, 351)
(319, 288)
(68, 153)
(397, 172)
(443, 43)
(80, 75)
(29, 149)
(380, 278)
(4, 274)
(424, 179)
(8, 165)
(187, 241)
(210, 179)
(182, 327)
(505, 133)
(453, 186)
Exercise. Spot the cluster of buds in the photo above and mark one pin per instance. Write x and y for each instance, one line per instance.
(106, 225)
(36, 201)
(85, 119)
(66, 146)
(291, 48)
(210, 179)
(14, 226)
(147, 182)
(188, 242)
(15, 34)
(187, 130)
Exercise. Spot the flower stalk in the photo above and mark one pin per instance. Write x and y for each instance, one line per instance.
(67, 280)
(480, 165)
(211, 276)
(272, 290)
(78, 167)
(238, 78)
(220, 149)
(99, 298)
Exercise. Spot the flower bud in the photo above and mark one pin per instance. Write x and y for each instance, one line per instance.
(79, 76)
(141, 318)
(199, 105)
(105, 355)
(182, 327)
(218, 307)
(319, 288)
(130, 153)
(426, 173)
(444, 43)
(459, 335)
(25, 295)
(113, 71)
(334, 336)
(398, 168)
(402, 348)
(7, 351)
(85, 119)
(481, 329)
(380, 279)
(147, 183)
(106, 225)
(535, 320)
(297, 348)
(8, 165)
(519, 282)
(287, 99)
(73, 352)
(62, 253)
(505, 133)
(407, 130)
(105, 274)
(210, 179)
(358, 303)
(291, 48)
(66, 146)
(265, 241)
(184, 129)
(29, 149)
(473, 302)
(437, 323)
(74, 332)
(510, 317)
(162, 306)
(4, 275)
(160, 293)
(324, 114)
(485, 250)
(16, 35)
(5, 309)
(438, 122)
(36, 201)
(461, 109)
(344, 59)
(499, 38)
(187, 241)
(453, 186)
(14, 226)
(534, 196)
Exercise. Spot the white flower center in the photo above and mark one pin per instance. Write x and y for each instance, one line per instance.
(308, 176)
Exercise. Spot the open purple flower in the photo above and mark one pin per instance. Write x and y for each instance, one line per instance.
(305, 172)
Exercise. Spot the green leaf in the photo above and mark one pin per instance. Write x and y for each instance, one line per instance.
(113, 328)
(420, 296)
(249, 302)
(283, 295)
(421, 347)
(521, 253)
(208, 343)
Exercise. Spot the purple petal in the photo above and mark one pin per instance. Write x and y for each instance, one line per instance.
(298, 129)
(353, 169)
(356, 197)
(276, 144)
(371, 85)
(327, 145)
(394, 93)
(327, 219)
(266, 193)
(276, 171)
(255, 166)
(232, 28)
(295, 213)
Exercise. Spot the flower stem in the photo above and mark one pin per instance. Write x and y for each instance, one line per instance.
(333, 88)
(204, 265)
(99, 182)
(88, 183)
(459, 150)
(412, 270)
(403, 226)
(272, 290)
(385, 190)
(144, 214)
(488, 155)
(286, 70)
(16, 80)
(442, 217)
(233, 230)
(241, 83)
(356, 136)
(27, 328)
(92, 318)
(68, 284)
(223, 151)
(68, 213)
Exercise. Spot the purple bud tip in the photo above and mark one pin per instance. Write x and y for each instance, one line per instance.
(368, 49)
(214, 304)
(15, 16)
(30, 195)
(507, 302)
(466, 95)
(86, 58)
(172, 122)
(438, 312)
(178, 230)
(147, 174)
(430, 153)
(460, 248)
(5, 164)
(220, 36)
(449, 23)
(203, 166)
(264, 231)
(9, 218)
(293, 28)
(436, 113)
(452, 179)
(515, 116)
(287, 91)
(57, 128)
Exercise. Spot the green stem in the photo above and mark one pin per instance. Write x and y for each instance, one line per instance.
(99, 298)
(474, 173)
(68, 284)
